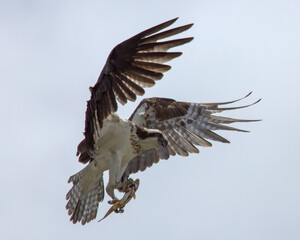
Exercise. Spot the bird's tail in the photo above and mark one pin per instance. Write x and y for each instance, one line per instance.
(84, 196)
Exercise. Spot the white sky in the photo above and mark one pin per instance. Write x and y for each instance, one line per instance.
(52, 51)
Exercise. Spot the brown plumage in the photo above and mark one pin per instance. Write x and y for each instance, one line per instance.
(132, 65)
(183, 124)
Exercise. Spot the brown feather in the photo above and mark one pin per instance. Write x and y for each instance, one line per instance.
(216, 126)
(174, 145)
(156, 28)
(144, 72)
(156, 67)
(140, 79)
(127, 92)
(119, 93)
(167, 33)
(162, 46)
(213, 136)
(136, 89)
(157, 57)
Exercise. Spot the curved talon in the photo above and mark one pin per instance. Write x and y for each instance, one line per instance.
(119, 210)
(118, 205)
(125, 186)
(113, 201)
(130, 182)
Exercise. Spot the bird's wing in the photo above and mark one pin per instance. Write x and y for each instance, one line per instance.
(183, 124)
(131, 66)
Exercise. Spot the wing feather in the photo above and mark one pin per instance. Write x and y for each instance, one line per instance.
(143, 81)
(162, 46)
(174, 143)
(131, 66)
(185, 142)
(194, 138)
(120, 90)
(145, 72)
(136, 89)
(167, 33)
(156, 67)
(183, 124)
(157, 57)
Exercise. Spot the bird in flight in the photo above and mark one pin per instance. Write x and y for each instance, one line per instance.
(157, 129)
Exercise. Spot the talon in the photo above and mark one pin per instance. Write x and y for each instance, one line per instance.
(113, 201)
(117, 210)
(130, 182)
(118, 205)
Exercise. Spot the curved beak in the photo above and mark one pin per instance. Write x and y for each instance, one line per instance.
(163, 142)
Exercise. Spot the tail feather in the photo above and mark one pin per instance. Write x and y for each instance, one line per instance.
(83, 201)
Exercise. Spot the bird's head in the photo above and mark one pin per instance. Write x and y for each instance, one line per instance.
(151, 138)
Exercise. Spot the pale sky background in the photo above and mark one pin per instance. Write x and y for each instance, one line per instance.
(52, 51)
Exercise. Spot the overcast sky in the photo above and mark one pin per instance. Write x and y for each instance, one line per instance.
(52, 51)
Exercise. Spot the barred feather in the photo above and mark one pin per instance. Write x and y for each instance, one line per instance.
(84, 197)
(183, 124)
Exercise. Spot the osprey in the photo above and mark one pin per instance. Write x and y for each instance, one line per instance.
(158, 128)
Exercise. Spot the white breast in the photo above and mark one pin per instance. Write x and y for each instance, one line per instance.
(114, 137)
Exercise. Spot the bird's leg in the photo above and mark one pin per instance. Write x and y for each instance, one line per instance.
(129, 193)
(125, 184)
(110, 192)
(114, 169)
(118, 207)
(122, 181)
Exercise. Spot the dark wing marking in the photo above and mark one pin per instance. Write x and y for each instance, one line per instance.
(183, 124)
(132, 65)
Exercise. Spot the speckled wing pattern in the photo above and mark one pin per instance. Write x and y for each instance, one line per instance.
(183, 124)
(131, 66)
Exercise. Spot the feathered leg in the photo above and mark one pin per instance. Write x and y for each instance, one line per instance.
(114, 169)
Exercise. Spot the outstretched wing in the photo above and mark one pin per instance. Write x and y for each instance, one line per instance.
(131, 66)
(183, 124)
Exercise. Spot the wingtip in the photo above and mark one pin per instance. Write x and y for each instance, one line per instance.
(248, 94)
(254, 102)
(245, 131)
(189, 39)
(255, 120)
(189, 25)
(172, 20)
(258, 100)
(176, 18)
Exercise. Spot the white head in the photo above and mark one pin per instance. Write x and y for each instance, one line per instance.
(150, 138)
